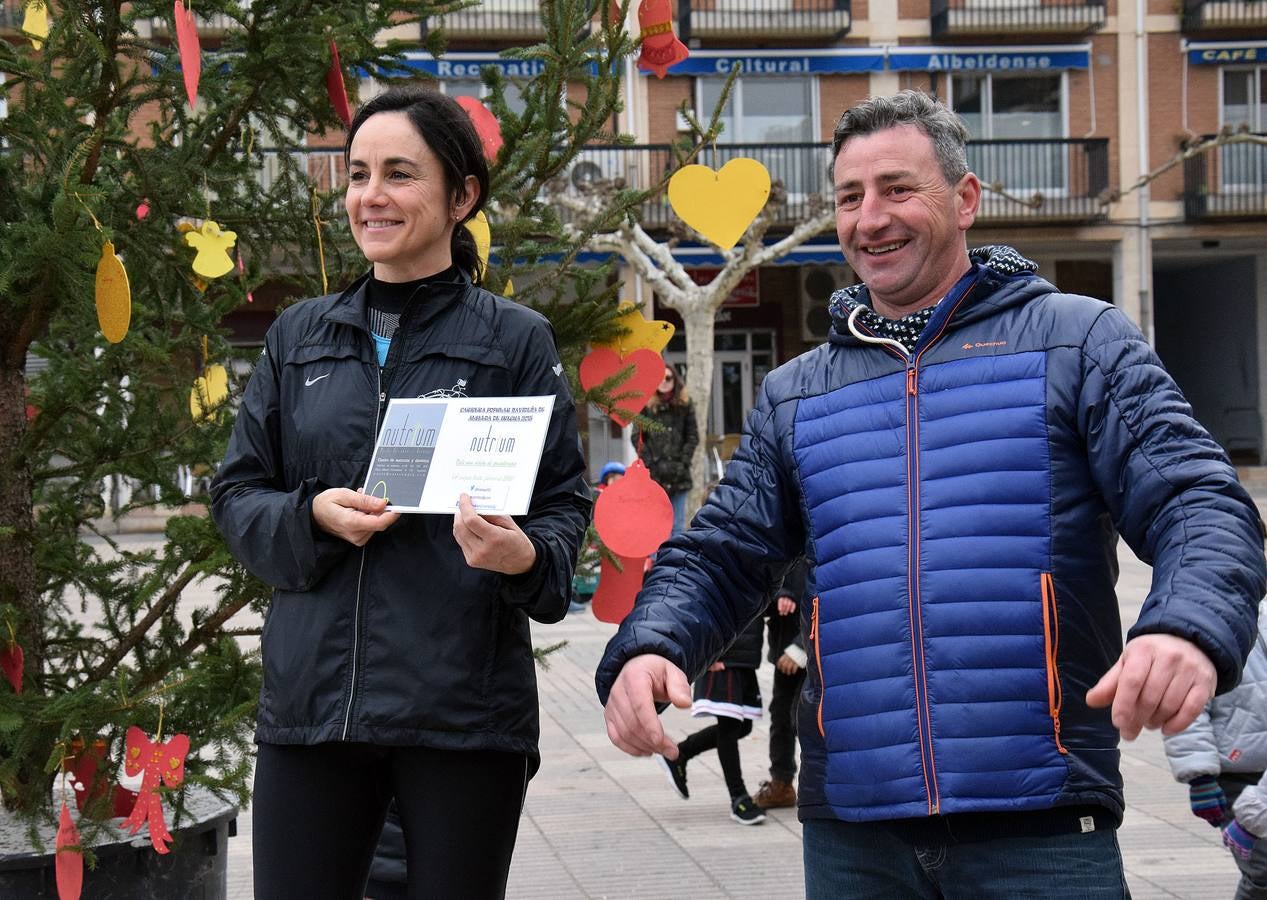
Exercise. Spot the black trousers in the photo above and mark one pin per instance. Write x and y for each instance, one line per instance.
(316, 812)
(783, 701)
(723, 737)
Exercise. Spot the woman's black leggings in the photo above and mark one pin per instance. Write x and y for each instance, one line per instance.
(724, 737)
(316, 813)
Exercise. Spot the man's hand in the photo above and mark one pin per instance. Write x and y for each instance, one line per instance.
(352, 515)
(632, 723)
(1159, 681)
(787, 665)
(787, 605)
(495, 543)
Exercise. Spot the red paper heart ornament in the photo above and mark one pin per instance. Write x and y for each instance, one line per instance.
(190, 50)
(631, 395)
(486, 126)
(70, 858)
(335, 87)
(12, 662)
(633, 515)
(617, 589)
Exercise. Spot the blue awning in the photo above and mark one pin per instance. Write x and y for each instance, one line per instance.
(698, 255)
(1221, 53)
(780, 62)
(989, 59)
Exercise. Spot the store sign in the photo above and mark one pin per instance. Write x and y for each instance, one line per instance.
(468, 65)
(723, 62)
(1026, 59)
(746, 293)
(1225, 53)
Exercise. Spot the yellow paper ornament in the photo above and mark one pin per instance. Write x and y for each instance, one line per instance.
(113, 294)
(643, 334)
(210, 389)
(720, 205)
(35, 22)
(213, 245)
(483, 234)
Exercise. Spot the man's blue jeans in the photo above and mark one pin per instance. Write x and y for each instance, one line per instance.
(865, 860)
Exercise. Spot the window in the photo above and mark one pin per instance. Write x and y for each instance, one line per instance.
(1244, 104)
(768, 112)
(473, 87)
(1027, 111)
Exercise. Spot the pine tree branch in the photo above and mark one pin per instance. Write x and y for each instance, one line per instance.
(141, 629)
(205, 633)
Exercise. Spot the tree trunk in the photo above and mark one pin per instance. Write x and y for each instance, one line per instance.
(17, 549)
(699, 318)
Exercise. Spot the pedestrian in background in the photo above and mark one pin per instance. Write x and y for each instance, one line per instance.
(1221, 756)
(668, 450)
(787, 652)
(729, 691)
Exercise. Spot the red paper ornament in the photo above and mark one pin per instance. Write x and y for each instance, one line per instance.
(486, 126)
(660, 46)
(160, 763)
(142, 210)
(12, 662)
(70, 858)
(616, 590)
(335, 88)
(633, 515)
(632, 395)
(190, 50)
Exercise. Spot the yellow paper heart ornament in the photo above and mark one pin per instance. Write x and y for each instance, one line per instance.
(720, 205)
(643, 334)
(35, 22)
(211, 388)
(113, 295)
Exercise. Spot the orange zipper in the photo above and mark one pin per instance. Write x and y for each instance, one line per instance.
(1051, 638)
(818, 661)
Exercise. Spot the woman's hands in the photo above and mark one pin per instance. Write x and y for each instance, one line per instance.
(352, 515)
(495, 543)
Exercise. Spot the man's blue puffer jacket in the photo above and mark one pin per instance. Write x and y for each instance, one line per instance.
(960, 506)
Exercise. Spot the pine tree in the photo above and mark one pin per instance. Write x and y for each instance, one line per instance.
(97, 125)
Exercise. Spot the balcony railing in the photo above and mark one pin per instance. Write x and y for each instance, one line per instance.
(992, 17)
(1227, 182)
(514, 19)
(1039, 180)
(1209, 15)
(825, 19)
(1043, 180)
(213, 25)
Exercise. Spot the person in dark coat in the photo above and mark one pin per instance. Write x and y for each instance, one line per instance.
(729, 691)
(787, 652)
(668, 450)
(397, 657)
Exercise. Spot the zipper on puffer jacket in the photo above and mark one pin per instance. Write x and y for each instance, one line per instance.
(1051, 642)
(818, 661)
(380, 399)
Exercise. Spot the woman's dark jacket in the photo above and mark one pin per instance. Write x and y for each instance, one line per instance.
(668, 450)
(400, 642)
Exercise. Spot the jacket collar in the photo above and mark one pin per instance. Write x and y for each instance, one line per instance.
(349, 307)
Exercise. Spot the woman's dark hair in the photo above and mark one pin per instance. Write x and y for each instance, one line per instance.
(448, 131)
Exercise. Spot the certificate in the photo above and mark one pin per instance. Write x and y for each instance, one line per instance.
(431, 450)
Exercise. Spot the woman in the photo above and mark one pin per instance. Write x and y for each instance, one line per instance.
(397, 658)
(668, 450)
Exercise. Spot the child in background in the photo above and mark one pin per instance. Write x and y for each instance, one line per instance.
(787, 652)
(729, 691)
(1221, 757)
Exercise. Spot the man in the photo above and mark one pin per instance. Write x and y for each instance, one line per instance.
(956, 464)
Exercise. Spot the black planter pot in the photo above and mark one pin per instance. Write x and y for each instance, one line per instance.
(129, 868)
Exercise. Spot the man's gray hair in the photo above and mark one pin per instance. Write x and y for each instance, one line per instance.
(945, 129)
